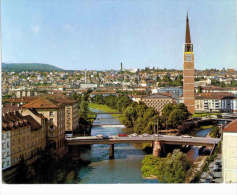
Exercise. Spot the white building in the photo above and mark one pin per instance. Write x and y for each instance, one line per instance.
(6, 149)
(88, 85)
(215, 102)
(229, 153)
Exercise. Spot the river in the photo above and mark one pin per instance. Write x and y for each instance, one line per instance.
(124, 168)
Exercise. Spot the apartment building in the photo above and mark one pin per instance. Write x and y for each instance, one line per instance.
(158, 101)
(71, 111)
(215, 102)
(49, 108)
(22, 137)
(229, 153)
(71, 107)
(6, 148)
(214, 89)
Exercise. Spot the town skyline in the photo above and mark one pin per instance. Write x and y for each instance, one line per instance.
(98, 36)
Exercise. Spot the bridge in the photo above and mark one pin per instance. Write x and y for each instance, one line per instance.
(158, 141)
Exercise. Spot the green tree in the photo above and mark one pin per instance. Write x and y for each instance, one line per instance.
(171, 169)
(215, 132)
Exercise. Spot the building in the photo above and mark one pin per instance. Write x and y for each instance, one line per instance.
(215, 102)
(229, 153)
(88, 86)
(6, 148)
(188, 71)
(71, 112)
(158, 101)
(24, 93)
(215, 89)
(175, 91)
(54, 111)
(23, 138)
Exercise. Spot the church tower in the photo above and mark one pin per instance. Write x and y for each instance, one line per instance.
(188, 71)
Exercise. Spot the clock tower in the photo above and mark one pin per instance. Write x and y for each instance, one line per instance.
(188, 71)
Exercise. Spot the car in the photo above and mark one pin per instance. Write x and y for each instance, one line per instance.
(218, 162)
(68, 135)
(106, 137)
(100, 136)
(145, 134)
(186, 136)
(133, 135)
(216, 168)
(123, 135)
(113, 136)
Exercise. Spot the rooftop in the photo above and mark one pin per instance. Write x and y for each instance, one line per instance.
(214, 95)
(231, 127)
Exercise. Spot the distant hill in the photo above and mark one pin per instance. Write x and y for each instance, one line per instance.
(19, 67)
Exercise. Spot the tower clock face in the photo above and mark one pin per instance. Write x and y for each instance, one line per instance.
(188, 57)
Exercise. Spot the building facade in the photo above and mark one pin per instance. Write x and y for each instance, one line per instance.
(229, 153)
(215, 102)
(71, 111)
(6, 148)
(158, 101)
(55, 113)
(25, 137)
(188, 71)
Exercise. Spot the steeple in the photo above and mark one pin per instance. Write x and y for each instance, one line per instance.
(187, 37)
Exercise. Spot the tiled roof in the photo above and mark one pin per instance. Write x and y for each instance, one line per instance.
(216, 95)
(14, 120)
(9, 108)
(158, 95)
(23, 99)
(231, 127)
(62, 99)
(32, 122)
(43, 103)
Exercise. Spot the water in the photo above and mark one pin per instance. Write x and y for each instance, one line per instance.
(203, 133)
(195, 149)
(124, 168)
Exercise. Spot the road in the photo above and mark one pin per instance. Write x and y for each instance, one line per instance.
(166, 139)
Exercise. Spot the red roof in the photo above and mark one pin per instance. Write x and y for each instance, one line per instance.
(231, 127)
(42, 102)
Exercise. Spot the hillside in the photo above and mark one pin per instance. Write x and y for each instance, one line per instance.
(19, 67)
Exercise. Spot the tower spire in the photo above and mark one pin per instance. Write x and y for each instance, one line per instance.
(187, 37)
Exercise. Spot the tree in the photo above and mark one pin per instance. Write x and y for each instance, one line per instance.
(171, 169)
(215, 132)
(174, 168)
(199, 89)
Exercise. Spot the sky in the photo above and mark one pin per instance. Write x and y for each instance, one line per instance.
(100, 34)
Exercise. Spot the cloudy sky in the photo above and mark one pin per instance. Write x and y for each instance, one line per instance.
(99, 34)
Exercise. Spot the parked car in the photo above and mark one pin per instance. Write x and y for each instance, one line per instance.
(113, 136)
(186, 136)
(68, 135)
(216, 168)
(145, 134)
(132, 135)
(100, 136)
(218, 162)
(122, 135)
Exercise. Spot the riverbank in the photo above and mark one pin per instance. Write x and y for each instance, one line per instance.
(107, 109)
(203, 127)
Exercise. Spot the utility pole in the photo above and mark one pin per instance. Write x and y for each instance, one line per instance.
(157, 129)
